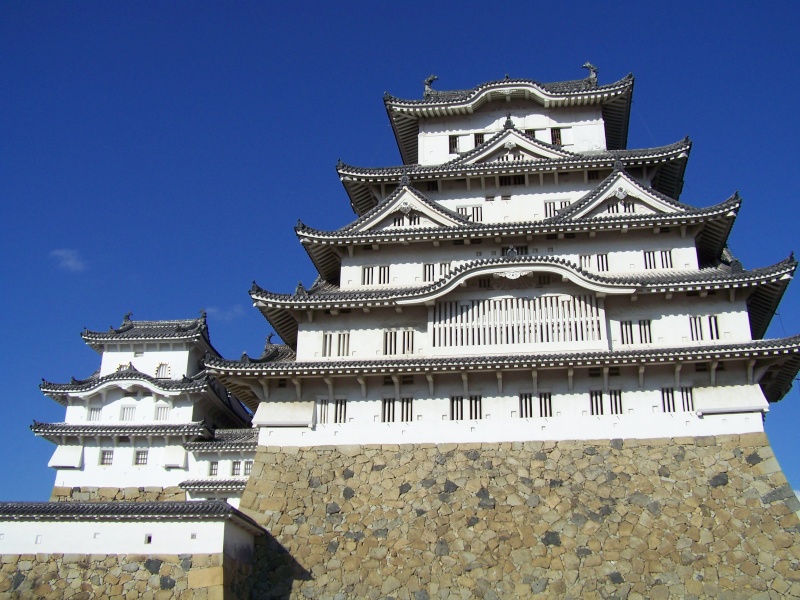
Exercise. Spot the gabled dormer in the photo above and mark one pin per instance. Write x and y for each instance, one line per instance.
(512, 145)
(620, 194)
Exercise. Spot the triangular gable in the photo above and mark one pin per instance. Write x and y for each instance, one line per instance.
(407, 208)
(619, 194)
(512, 145)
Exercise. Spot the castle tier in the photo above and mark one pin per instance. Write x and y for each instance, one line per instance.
(151, 423)
(522, 276)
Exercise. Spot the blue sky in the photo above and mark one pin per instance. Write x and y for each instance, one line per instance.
(154, 157)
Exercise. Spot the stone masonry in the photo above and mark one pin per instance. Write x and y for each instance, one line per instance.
(680, 518)
(114, 494)
(123, 577)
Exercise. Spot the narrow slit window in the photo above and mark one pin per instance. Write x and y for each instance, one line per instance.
(713, 327)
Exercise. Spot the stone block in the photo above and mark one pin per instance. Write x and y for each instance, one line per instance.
(207, 577)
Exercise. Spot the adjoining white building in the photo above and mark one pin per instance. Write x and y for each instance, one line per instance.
(150, 424)
(522, 276)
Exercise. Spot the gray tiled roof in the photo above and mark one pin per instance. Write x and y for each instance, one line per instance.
(58, 430)
(151, 330)
(214, 485)
(126, 511)
(571, 87)
(195, 382)
(227, 439)
(774, 387)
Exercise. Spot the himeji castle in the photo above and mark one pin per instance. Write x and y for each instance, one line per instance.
(527, 367)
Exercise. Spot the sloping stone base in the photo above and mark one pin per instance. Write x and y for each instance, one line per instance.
(683, 517)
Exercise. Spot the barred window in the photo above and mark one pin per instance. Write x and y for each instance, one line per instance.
(626, 332)
(479, 138)
(545, 405)
(429, 272)
(666, 259)
(549, 209)
(367, 275)
(432, 186)
(383, 275)
(106, 457)
(645, 334)
(342, 347)
(407, 409)
(213, 468)
(444, 269)
(555, 136)
(387, 410)
(713, 327)
(94, 413)
(398, 341)
(504, 180)
(696, 328)
(687, 399)
(668, 400)
(518, 180)
(596, 402)
(162, 372)
(649, 259)
(586, 261)
(141, 457)
(162, 413)
(602, 262)
(615, 400)
(248, 467)
(236, 467)
(128, 413)
(413, 219)
(525, 405)
(340, 410)
(453, 144)
(456, 408)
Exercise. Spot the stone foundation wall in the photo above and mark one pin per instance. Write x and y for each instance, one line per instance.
(681, 518)
(113, 494)
(124, 576)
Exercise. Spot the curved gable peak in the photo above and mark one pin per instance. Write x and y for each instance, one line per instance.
(512, 145)
(620, 194)
(408, 208)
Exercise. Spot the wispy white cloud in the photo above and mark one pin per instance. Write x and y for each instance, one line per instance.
(225, 314)
(69, 260)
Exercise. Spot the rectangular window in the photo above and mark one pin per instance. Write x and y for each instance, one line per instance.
(543, 280)
(398, 220)
(504, 180)
(628, 206)
(525, 406)
(429, 272)
(555, 136)
(626, 332)
(398, 342)
(340, 410)
(389, 342)
(479, 138)
(456, 408)
(343, 347)
(141, 457)
(615, 400)
(432, 186)
(327, 344)
(413, 219)
(520, 250)
(94, 414)
(649, 259)
(387, 412)
(475, 407)
(106, 457)
(477, 214)
(162, 413)
(213, 468)
(453, 144)
(367, 275)
(248, 467)
(545, 405)
(645, 335)
(602, 262)
(549, 209)
(687, 399)
(444, 269)
(383, 275)
(713, 327)
(666, 259)
(593, 175)
(236, 468)
(586, 262)
(696, 327)
(518, 180)
(485, 283)
(596, 401)
(563, 204)
(462, 211)
(406, 409)
(505, 198)
(128, 413)
(489, 198)
(612, 208)
(668, 400)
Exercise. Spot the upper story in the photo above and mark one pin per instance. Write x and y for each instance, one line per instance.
(580, 115)
(150, 374)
